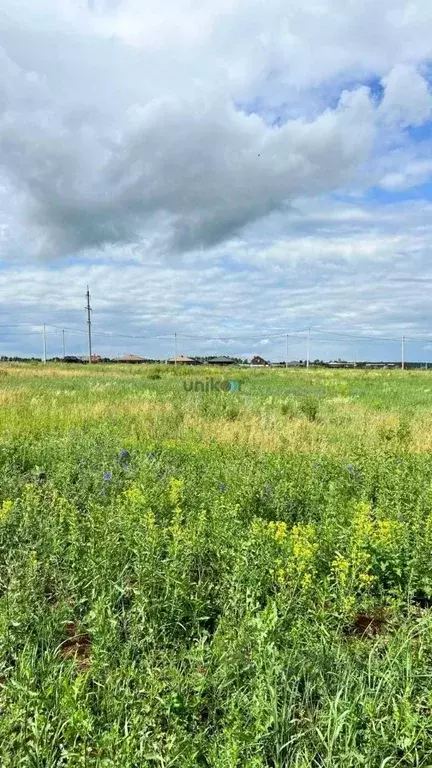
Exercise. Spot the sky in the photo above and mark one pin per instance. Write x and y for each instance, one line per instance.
(230, 171)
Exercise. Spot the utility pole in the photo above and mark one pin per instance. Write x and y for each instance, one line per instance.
(308, 348)
(175, 348)
(44, 344)
(64, 346)
(403, 352)
(89, 325)
(286, 364)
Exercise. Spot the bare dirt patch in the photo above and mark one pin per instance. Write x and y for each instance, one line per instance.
(366, 625)
(77, 646)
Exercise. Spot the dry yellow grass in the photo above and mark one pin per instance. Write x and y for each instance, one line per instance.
(59, 397)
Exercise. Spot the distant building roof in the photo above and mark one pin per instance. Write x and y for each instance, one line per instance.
(95, 358)
(223, 360)
(258, 360)
(183, 359)
(131, 359)
(72, 359)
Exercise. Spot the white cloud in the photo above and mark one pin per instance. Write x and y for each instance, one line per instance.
(407, 99)
(196, 170)
(219, 309)
(412, 174)
(131, 132)
(121, 122)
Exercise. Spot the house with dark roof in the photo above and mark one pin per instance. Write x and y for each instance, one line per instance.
(72, 359)
(257, 360)
(221, 361)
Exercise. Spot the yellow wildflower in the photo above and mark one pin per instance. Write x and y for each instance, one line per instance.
(362, 520)
(366, 579)
(383, 529)
(341, 568)
(386, 531)
(134, 494)
(175, 491)
(6, 509)
(278, 530)
(303, 542)
(303, 549)
(306, 580)
(360, 559)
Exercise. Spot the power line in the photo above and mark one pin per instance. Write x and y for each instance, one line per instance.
(112, 334)
(18, 325)
(358, 336)
(235, 335)
(231, 337)
(240, 336)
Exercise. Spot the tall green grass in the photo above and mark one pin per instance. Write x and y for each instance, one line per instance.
(174, 596)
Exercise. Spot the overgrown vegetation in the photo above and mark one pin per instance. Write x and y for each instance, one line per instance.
(215, 579)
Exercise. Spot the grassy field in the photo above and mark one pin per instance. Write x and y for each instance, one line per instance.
(216, 579)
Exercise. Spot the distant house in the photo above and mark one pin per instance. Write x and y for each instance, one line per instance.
(221, 361)
(72, 359)
(132, 359)
(183, 360)
(279, 364)
(94, 359)
(341, 364)
(257, 360)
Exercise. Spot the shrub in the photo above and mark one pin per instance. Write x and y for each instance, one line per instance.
(309, 406)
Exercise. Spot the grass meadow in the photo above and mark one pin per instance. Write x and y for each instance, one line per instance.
(215, 579)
